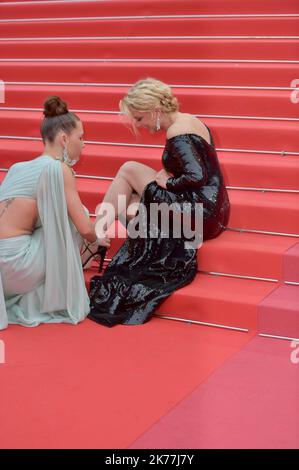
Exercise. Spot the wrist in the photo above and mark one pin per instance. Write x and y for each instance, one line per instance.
(91, 239)
(96, 242)
(169, 182)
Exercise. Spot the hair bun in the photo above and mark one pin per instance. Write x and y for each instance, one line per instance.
(54, 106)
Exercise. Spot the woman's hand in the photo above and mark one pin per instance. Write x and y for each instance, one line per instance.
(103, 241)
(161, 178)
(102, 237)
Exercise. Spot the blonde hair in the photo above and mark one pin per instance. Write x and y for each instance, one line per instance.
(148, 94)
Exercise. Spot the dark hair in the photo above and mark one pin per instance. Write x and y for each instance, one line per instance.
(57, 117)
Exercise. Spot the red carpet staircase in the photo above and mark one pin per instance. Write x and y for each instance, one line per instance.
(233, 64)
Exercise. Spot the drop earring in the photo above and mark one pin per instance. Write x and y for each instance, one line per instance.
(158, 124)
(65, 158)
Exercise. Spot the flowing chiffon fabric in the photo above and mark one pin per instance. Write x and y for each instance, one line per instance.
(41, 277)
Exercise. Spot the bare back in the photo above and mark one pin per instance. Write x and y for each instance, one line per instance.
(18, 216)
(19, 191)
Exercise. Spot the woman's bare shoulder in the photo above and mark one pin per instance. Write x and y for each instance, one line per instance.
(187, 124)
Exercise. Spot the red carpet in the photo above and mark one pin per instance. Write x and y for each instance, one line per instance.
(249, 403)
(233, 64)
(89, 386)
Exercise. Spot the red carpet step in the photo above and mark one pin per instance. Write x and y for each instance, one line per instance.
(217, 73)
(144, 7)
(279, 136)
(259, 26)
(291, 264)
(195, 302)
(267, 103)
(241, 49)
(251, 170)
(278, 314)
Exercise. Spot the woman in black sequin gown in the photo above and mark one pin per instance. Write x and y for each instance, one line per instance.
(146, 270)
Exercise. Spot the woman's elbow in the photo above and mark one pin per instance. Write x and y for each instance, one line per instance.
(198, 182)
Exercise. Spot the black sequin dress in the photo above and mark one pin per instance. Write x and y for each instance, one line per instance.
(146, 270)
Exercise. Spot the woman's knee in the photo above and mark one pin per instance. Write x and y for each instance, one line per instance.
(127, 169)
(137, 175)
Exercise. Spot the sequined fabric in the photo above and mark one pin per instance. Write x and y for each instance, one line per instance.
(145, 271)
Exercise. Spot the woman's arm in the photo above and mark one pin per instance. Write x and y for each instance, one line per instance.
(194, 173)
(75, 207)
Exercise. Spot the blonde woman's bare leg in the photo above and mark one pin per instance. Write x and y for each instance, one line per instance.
(132, 208)
(132, 176)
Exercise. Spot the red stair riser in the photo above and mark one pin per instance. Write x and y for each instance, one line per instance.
(222, 74)
(255, 49)
(278, 314)
(195, 101)
(240, 170)
(287, 26)
(228, 133)
(145, 7)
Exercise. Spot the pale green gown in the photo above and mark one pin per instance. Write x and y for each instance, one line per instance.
(41, 276)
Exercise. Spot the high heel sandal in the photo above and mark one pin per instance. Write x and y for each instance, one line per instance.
(101, 253)
(98, 256)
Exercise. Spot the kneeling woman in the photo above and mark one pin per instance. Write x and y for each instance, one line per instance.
(42, 227)
(147, 269)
